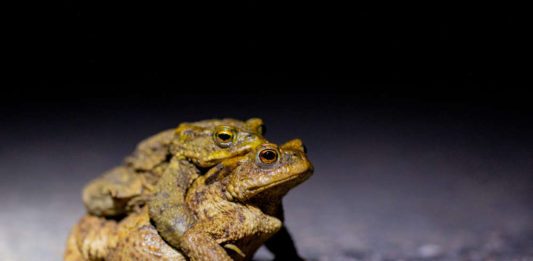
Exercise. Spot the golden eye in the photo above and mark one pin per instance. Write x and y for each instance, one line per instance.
(268, 156)
(224, 136)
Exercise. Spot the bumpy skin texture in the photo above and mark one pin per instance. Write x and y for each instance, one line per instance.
(133, 238)
(127, 187)
(92, 238)
(137, 239)
(173, 157)
(237, 206)
(109, 195)
(197, 145)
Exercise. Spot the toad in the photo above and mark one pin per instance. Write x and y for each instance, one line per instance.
(236, 208)
(177, 152)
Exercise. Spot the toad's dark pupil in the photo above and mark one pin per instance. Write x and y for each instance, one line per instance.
(269, 155)
(224, 136)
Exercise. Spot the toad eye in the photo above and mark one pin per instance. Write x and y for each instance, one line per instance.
(224, 136)
(268, 156)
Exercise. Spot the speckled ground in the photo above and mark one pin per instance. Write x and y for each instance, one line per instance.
(384, 189)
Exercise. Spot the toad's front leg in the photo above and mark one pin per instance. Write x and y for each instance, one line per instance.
(213, 238)
(199, 245)
(167, 207)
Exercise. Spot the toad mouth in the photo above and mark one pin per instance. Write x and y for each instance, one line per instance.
(275, 183)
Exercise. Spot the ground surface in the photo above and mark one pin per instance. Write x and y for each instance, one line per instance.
(387, 186)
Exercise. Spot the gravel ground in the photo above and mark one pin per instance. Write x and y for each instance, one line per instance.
(382, 189)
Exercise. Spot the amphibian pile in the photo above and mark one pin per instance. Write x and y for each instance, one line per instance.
(176, 152)
(216, 196)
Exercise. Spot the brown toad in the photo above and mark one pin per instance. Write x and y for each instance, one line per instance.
(202, 143)
(236, 207)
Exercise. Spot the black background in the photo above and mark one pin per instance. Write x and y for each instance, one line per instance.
(440, 52)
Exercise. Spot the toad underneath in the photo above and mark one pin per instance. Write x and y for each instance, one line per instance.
(236, 207)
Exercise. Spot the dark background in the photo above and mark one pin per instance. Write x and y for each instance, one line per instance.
(418, 120)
